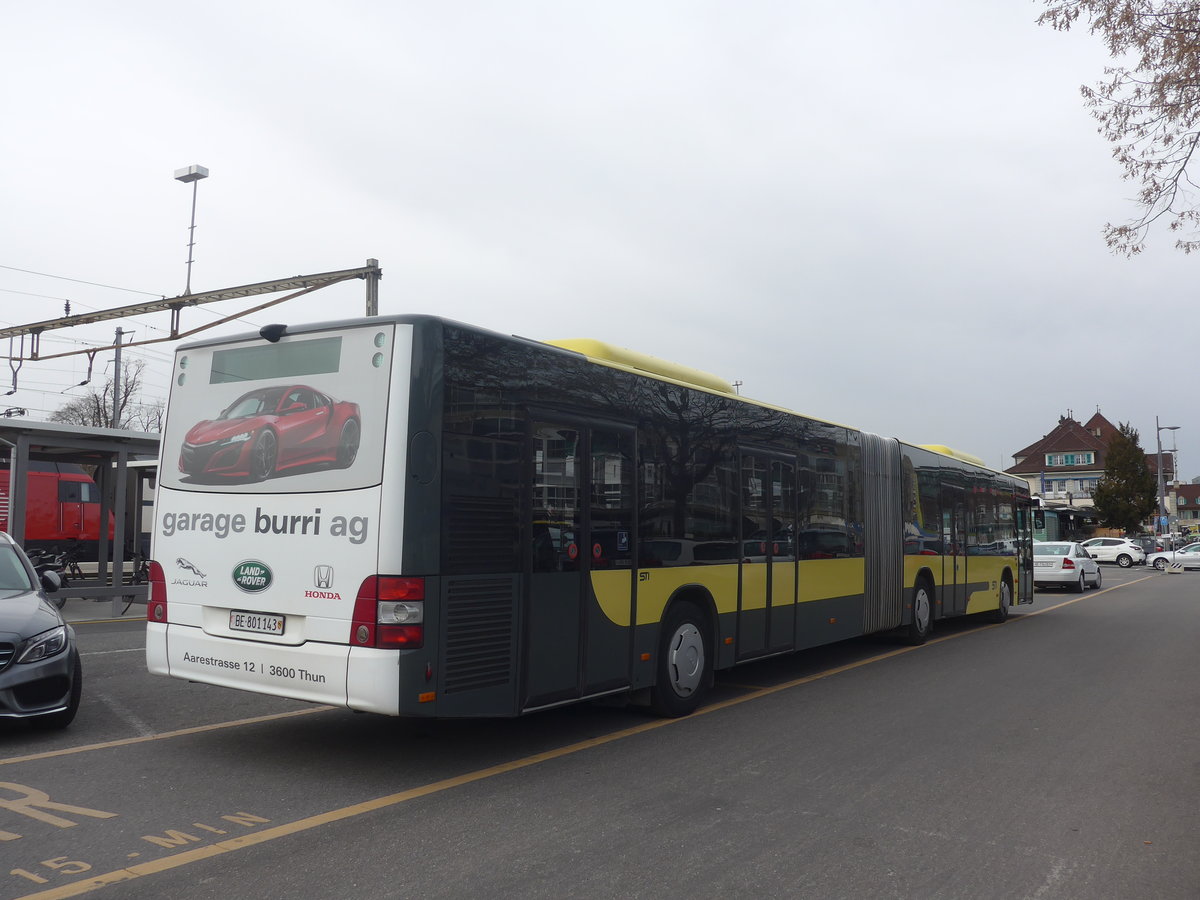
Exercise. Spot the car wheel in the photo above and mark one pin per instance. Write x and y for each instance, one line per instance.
(64, 718)
(1000, 614)
(684, 662)
(922, 614)
(1079, 585)
(348, 444)
(263, 455)
(1160, 564)
(1099, 578)
(1124, 560)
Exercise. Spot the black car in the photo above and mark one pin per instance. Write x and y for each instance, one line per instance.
(40, 676)
(1149, 544)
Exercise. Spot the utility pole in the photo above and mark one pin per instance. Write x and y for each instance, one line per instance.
(116, 416)
(372, 279)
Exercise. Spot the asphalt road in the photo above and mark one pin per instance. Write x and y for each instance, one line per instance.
(1054, 756)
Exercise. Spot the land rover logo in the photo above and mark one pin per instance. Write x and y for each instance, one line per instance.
(252, 576)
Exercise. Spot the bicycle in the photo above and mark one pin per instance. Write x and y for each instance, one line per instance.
(70, 558)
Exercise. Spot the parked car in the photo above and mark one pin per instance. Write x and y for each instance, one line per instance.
(1149, 544)
(1123, 551)
(1187, 556)
(40, 676)
(1064, 564)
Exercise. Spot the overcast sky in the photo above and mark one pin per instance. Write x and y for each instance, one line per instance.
(884, 214)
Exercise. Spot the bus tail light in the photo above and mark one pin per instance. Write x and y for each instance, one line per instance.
(389, 612)
(156, 606)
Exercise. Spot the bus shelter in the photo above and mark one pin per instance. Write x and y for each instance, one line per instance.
(122, 465)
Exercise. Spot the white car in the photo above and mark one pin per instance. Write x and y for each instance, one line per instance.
(1187, 556)
(1122, 551)
(1064, 564)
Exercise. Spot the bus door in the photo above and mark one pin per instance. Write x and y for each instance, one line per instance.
(576, 641)
(954, 542)
(767, 561)
(1024, 552)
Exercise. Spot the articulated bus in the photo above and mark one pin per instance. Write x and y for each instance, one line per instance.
(412, 516)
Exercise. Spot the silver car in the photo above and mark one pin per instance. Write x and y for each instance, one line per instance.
(1187, 556)
(1064, 564)
(1123, 551)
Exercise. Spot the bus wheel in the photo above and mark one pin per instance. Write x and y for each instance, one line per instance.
(922, 614)
(262, 456)
(348, 444)
(1000, 614)
(684, 667)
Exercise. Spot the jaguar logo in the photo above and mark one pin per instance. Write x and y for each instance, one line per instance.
(191, 567)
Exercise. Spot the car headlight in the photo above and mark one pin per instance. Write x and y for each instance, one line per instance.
(237, 438)
(44, 645)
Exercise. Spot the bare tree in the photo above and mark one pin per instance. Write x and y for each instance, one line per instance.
(94, 408)
(1149, 110)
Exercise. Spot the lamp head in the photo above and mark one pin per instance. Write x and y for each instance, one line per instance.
(190, 174)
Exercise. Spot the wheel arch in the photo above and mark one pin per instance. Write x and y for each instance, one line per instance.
(701, 598)
(924, 574)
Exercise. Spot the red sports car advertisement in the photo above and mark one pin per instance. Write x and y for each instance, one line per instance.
(303, 413)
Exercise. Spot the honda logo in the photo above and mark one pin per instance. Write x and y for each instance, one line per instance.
(323, 577)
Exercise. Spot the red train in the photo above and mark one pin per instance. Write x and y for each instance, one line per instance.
(62, 508)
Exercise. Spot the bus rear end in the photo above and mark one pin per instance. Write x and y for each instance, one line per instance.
(277, 557)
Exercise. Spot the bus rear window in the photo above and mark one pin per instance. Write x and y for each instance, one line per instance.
(284, 360)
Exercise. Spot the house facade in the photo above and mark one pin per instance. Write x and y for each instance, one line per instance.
(1187, 504)
(1065, 465)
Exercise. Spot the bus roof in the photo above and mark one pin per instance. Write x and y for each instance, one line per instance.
(596, 351)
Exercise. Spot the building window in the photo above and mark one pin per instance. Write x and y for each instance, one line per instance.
(1071, 459)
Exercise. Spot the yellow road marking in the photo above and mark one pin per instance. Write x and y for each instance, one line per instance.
(348, 812)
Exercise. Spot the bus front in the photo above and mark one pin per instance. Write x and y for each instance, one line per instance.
(276, 550)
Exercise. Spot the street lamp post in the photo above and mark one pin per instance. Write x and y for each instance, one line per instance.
(191, 175)
(1162, 491)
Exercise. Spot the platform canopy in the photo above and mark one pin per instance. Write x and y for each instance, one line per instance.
(108, 452)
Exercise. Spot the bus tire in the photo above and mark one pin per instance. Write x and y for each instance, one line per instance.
(1000, 613)
(263, 455)
(348, 443)
(921, 622)
(684, 667)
